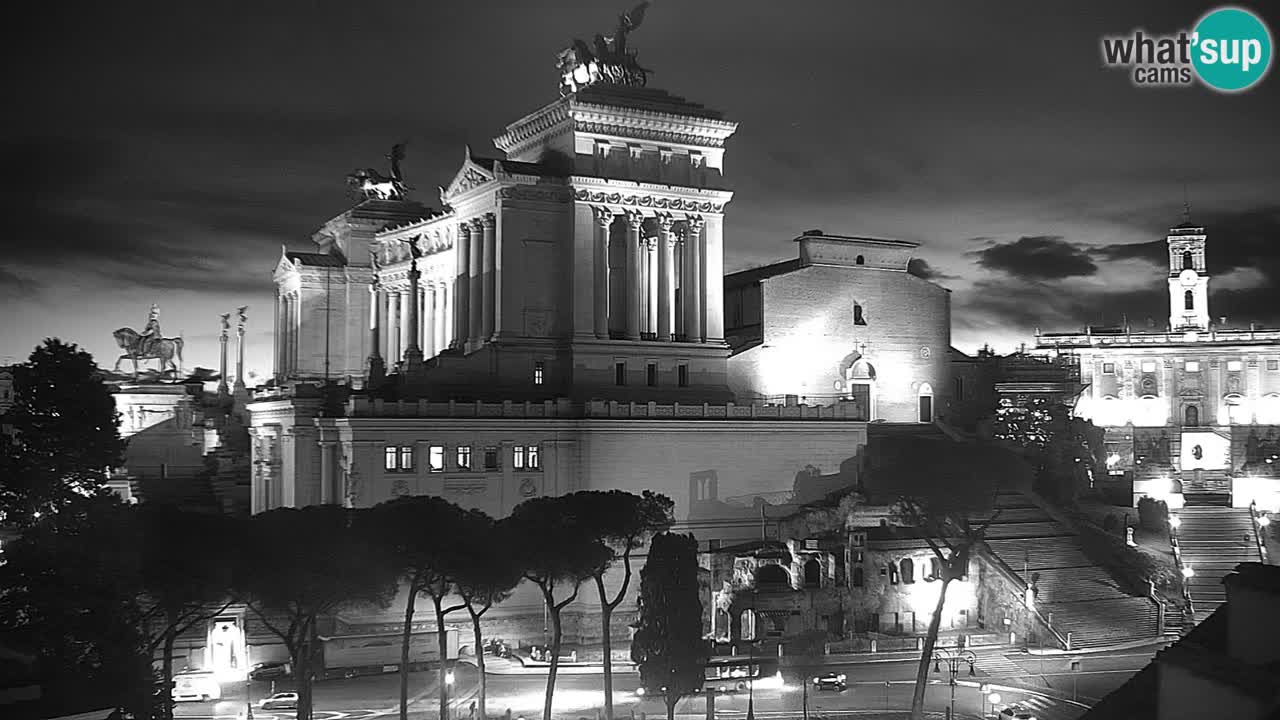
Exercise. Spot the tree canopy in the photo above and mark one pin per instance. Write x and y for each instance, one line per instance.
(66, 434)
(668, 646)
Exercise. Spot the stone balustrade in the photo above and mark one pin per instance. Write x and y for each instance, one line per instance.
(596, 409)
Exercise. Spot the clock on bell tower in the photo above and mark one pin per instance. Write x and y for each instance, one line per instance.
(1188, 279)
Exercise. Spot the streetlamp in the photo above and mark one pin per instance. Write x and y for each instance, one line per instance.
(953, 659)
(448, 694)
(994, 699)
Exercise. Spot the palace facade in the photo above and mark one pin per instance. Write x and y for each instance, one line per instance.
(1192, 414)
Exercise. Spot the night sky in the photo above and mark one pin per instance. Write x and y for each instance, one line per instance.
(163, 152)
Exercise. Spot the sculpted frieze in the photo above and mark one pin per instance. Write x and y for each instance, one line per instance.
(649, 201)
(519, 192)
(655, 135)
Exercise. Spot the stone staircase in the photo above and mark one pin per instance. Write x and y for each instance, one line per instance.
(1213, 541)
(1073, 593)
(1206, 487)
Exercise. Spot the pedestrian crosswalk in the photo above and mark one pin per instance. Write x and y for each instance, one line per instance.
(997, 665)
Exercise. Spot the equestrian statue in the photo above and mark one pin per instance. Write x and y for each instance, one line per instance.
(149, 345)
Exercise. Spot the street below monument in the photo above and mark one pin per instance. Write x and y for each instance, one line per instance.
(1044, 684)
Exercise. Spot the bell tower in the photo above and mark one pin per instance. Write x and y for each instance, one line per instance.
(1188, 277)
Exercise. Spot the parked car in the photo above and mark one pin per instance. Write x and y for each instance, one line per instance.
(269, 670)
(280, 701)
(1016, 712)
(830, 681)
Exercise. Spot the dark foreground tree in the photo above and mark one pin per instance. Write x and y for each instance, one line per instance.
(69, 594)
(668, 646)
(187, 563)
(419, 534)
(300, 565)
(621, 522)
(946, 492)
(554, 552)
(488, 575)
(65, 434)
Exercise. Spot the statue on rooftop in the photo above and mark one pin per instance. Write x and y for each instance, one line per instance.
(606, 60)
(371, 184)
(148, 345)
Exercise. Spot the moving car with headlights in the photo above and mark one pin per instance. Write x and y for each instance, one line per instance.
(1016, 712)
(269, 670)
(830, 681)
(280, 701)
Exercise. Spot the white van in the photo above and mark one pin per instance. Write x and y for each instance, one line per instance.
(197, 685)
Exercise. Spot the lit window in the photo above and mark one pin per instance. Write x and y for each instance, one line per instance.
(1148, 366)
(397, 458)
(1108, 368)
(682, 375)
(435, 458)
(464, 457)
(651, 374)
(620, 373)
(389, 458)
(406, 458)
(1192, 366)
(539, 368)
(1234, 365)
(491, 458)
(525, 457)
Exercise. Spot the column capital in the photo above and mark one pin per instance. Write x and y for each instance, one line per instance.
(634, 219)
(488, 220)
(476, 225)
(665, 222)
(695, 223)
(603, 215)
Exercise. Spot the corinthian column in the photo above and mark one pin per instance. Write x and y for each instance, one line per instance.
(666, 277)
(693, 322)
(462, 288)
(489, 225)
(393, 325)
(651, 286)
(376, 370)
(475, 282)
(634, 221)
(444, 318)
(600, 274)
(429, 301)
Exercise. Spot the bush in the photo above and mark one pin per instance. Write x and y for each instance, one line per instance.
(1153, 514)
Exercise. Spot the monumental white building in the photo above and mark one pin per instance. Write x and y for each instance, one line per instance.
(559, 324)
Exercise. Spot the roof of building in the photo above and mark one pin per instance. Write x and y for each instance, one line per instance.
(522, 168)
(317, 259)
(750, 275)
(640, 98)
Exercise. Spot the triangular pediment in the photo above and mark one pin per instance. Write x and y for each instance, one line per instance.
(471, 175)
(285, 265)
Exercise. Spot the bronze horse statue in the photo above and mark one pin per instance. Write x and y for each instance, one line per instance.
(162, 349)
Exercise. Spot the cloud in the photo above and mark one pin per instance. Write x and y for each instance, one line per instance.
(14, 286)
(1037, 257)
(922, 269)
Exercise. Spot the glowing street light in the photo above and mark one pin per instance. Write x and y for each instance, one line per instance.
(1175, 522)
(1263, 520)
(1188, 572)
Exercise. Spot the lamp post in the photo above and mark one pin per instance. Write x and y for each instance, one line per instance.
(448, 694)
(953, 659)
(248, 698)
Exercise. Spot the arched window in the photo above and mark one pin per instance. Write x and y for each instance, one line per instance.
(1189, 300)
(860, 261)
(1191, 416)
(813, 573)
(908, 571)
(1188, 261)
(858, 318)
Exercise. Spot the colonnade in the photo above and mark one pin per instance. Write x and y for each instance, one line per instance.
(658, 269)
(288, 322)
(390, 314)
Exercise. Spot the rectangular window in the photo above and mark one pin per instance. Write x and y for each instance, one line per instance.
(435, 458)
(1235, 365)
(539, 369)
(1108, 368)
(517, 457)
(464, 457)
(1192, 366)
(651, 374)
(534, 457)
(397, 458)
(1148, 366)
(682, 375)
(620, 373)
(1273, 364)
(406, 458)
(491, 458)
(390, 458)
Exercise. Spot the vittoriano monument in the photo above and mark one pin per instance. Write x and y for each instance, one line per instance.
(149, 345)
(606, 60)
(371, 184)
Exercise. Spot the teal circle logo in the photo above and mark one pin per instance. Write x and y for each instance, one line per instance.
(1231, 49)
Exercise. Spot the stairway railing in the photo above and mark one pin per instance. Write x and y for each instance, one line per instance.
(1257, 530)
